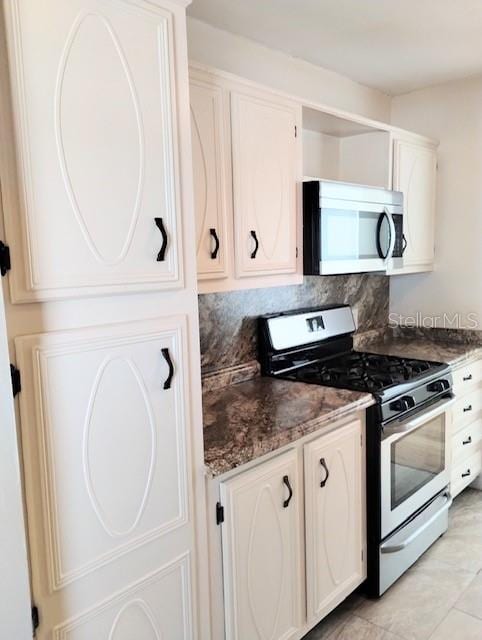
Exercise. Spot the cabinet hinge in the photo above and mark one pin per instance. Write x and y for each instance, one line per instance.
(362, 555)
(296, 251)
(219, 513)
(296, 131)
(16, 380)
(35, 619)
(361, 440)
(5, 264)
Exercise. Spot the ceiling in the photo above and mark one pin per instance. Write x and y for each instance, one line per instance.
(392, 45)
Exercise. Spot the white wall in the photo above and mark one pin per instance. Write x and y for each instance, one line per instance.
(451, 113)
(229, 52)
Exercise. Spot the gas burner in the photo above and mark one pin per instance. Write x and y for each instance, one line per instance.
(357, 370)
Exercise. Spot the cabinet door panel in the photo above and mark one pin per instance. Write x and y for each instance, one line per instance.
(335, 536)
(210, 164)
(415, 176)
(96, 147)
(264, 183)
(261, 551)
(105, 436)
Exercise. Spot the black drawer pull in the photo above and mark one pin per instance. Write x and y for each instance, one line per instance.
(468, 408)
(325, 480)
(468, 441)
(256, 244)
(466, 474)
(214, 252)
(286, 481)
(162, 253)
(467, 378)
(167, 358)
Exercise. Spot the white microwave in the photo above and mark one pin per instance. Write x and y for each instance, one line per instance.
(350, 228)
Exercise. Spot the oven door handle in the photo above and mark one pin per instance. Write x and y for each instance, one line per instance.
(393, 548)
(391, 432)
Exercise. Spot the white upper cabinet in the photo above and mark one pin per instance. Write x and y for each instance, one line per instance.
(95, 119)
(415, 174)
(211, 162)
(262, 552)
(335, 518)
(265, 175)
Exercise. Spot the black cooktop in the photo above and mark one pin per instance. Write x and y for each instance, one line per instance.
(361, 371)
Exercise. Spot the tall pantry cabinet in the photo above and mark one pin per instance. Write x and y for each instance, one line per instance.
(98, 214)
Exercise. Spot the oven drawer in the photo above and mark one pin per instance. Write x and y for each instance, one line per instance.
(398, 552)
(467, 376)
(466, 408)
(465, 473)
(466, 442)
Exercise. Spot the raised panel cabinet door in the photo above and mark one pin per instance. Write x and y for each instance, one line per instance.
(265, 161)
(415, 174)
(261, 551)
(97, 157)
(210, 166)
(334, 508)
(106, 440)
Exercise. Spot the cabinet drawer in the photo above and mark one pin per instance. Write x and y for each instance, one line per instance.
(467, 376)
(465, 473)
(466, 441)
(466, 408)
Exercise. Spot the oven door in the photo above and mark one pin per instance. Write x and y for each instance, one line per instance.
(414, 463)
(356, 237)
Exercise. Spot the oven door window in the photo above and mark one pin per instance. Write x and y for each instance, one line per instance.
(416, 458)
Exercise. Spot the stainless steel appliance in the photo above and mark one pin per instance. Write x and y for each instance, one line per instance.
(407, 429)
(349, 228)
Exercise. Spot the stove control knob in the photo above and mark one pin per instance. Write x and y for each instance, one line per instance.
(438, 386)
(402, 404)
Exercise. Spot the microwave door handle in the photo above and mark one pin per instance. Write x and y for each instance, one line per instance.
(391, 247)
(381, 255)
(393, 234)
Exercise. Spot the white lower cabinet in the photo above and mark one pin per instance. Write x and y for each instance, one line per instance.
(335, 516)
(267, 540)
(466, 427)
(262, 553)
(105, 431)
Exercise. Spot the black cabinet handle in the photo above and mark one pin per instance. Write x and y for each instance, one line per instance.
(467, 378)
(469, 408)
(162, 253)
(468, 441)
(214, 252)
(256, 245)
(466, 474)
(286, 481)
(167, 358)
(325, 480)
(404, 243)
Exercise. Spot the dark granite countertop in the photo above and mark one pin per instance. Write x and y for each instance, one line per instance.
(250, 419)
(425, 349)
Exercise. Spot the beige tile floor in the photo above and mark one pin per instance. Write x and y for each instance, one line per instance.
(439, 598)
